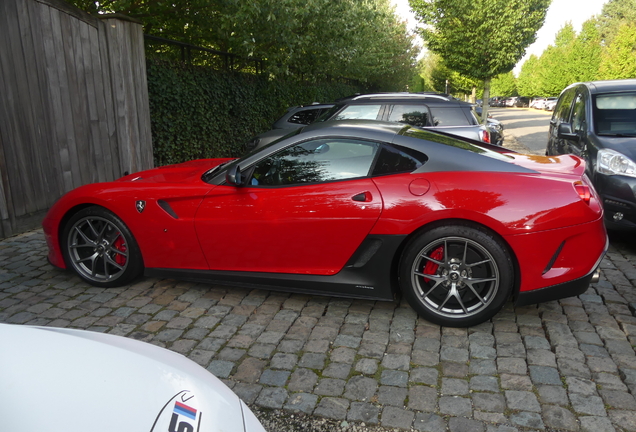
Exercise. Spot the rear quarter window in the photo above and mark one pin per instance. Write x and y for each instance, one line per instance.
(451, 117)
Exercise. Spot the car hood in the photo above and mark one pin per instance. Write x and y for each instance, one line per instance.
(624, 145)
(66, 380)
(185, 172)
(564, 164)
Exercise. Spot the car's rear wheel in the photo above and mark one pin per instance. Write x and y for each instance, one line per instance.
(99, 247)
(456, 275)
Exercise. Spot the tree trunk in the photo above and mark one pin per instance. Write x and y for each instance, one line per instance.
(473, 95)
(485, 99)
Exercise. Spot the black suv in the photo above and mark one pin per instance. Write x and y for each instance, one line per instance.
(432, 111)
(597, 121)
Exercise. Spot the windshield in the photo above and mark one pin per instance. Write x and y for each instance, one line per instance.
(615, 114)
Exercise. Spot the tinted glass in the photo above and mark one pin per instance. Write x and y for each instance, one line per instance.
(415, 115)
(396, 159)
(562, 109)
(450, 141)
(305, 117)
(365, 112)
(615, 114)
(450, 117)
(316, 161)
(578, 113)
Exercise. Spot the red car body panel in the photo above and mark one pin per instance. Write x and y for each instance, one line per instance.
(316, 229)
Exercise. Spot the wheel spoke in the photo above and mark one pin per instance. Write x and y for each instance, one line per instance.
(478, 263)
(112, 262)
(86, 239)
(90, 257)
(90, 225)
(476, 295)
(433, 260)
(459, 300)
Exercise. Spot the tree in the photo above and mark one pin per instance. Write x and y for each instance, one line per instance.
(613, 14)
(480, 38)
(527, 82)
(504, 85)
(311, 38)
(619, 60)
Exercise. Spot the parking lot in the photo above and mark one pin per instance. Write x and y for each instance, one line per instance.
(566, 365)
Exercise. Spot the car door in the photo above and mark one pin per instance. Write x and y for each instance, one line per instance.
(576, 144)
(562, 111)
(304, 210)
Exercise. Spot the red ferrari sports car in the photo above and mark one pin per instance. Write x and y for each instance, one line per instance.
(353, 208)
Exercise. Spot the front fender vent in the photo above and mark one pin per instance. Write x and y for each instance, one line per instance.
(166, 207)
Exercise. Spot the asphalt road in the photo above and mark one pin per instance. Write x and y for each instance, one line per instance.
(529, 127)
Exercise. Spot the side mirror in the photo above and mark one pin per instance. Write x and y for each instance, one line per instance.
(234, 176)
(565, 131)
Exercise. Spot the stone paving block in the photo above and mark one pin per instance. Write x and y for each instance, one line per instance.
(618, 400)
(460, 424)
(360, 388)
(427, 422)
(624, 419)
(515, 382)
(522, 401)
(247, 392)
(527, 420)
(397, 418)
(334, 408)
(454, 387)
(596, 424)
(589, 405)
(455, 406)
(544, 375)
(330, 387)
(489, 402)
(422, 398)
(484, 383)
(388, 395)
(364, 412)
(424, 376)
(272, 397)
(482, 367)
(337, 370)
(559, 418)
(396, 361)
(394, 378)
(302, 380)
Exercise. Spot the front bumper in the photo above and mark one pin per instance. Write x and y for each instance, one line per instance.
(618, 194)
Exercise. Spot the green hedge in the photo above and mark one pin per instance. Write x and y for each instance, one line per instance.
(198, 112)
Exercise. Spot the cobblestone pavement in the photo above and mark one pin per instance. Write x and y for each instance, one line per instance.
(566, 365)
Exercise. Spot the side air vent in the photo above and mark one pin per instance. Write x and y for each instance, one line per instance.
(554, 258)
(166, 207)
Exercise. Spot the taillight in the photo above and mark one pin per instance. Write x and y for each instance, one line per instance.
(485, 136)
(584, 191)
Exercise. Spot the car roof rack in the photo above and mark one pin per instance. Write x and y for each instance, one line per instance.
(404, 94)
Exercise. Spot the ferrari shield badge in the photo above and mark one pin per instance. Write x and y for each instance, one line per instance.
(141, 205)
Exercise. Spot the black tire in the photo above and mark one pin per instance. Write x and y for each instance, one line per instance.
(99, 247)
(469, 278)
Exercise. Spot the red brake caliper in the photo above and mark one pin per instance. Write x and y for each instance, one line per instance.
(431, 267)
(120, 245)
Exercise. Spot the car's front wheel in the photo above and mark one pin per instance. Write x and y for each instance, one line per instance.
(456, 275)
(99, 247)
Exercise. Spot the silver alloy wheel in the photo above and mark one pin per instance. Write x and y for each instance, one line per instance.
(98, 249)
(455, 277)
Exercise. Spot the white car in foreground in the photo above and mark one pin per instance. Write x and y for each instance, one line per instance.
(55, 379)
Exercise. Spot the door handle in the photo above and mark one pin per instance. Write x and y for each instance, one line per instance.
(363, 197)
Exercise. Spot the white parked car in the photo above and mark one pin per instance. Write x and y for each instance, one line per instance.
(56, 379)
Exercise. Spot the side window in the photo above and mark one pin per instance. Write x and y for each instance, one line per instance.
(578, 113)
(305, 117)
(316, 161)
(415, 115)
(396, 159)
(366, 112)
(562, 108)
(450, 117)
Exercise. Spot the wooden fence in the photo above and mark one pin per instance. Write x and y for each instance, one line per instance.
(73, 105)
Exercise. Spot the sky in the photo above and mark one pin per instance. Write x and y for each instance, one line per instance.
(559, 13)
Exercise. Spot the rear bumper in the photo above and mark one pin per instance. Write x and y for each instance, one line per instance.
(563, 290)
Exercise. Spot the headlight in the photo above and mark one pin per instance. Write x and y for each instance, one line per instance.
(612, 162)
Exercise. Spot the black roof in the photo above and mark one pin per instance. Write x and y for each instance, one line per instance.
(609, 86)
